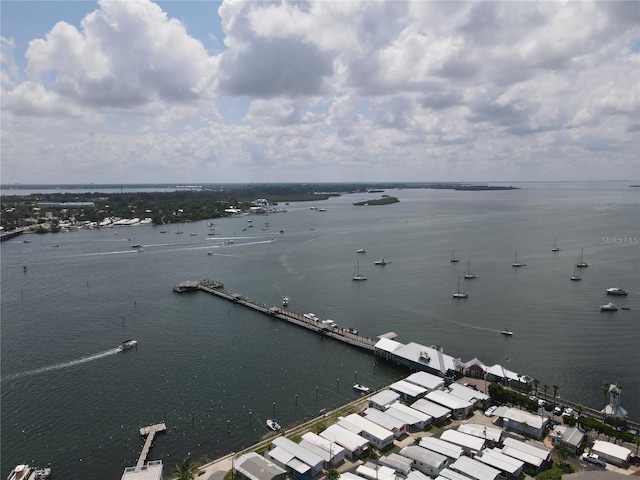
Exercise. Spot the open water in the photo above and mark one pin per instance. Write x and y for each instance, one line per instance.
(215, 372)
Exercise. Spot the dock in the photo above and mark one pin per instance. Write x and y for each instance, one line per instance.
(305, 321)
(150, 433)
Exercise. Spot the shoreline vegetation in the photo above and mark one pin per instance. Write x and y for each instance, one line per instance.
(184, 203)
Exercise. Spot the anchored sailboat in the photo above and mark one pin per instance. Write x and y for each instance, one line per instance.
(459, 294)
(516, 263)
(581, 263)
(468, 275)
(454, 259)
(357, 277)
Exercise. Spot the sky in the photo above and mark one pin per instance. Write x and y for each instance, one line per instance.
(319, 91)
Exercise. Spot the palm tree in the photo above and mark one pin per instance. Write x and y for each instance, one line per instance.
(545, 387)
(605, 390)
(555, 394)
(186, 471)
(536, 382)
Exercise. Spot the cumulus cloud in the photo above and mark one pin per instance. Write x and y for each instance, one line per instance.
(304, 90)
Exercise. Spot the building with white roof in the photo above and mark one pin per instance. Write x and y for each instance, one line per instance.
(442, 447)
(529, 424)
(355, 445)
(395, 425)
(459, 408)
(378, 436)
(448, 474)
(535, 455)
(294, 466)
(612, 453)
(376, 472)
(409, 392)
(336, 452)
(498, 373)
(474, 469)
(416, 475)
(399, 463)
(425, 461)
(471, 395)
(470, 444)
(252, 466)
(509, 466)
(410, 416)
(349, 476)
(383, 399)
(418, 357)
(438, 413)
(315, 462)
(490, 434)
(570, 437)
(426, 380)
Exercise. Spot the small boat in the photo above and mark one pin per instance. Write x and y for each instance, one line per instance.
(193, 234)
(468, 275)
(516, 263)
(26, 241)
(127, 344)
(361, 250)
(137, 245)
(244, 229)
(209, 252)
(460, 294)
(575, 277)
(361, 388)
(285, 301)
(608, 307)
(555, 247)
(454, 259)
(616, 291)
(580, 263)
(273, 424)
(209, 224)
(382, 262)
(626, 308)
(507, 332)
(357, 277)
(20, 472)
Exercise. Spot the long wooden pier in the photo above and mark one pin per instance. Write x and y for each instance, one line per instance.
(308, 322)
(150, 433)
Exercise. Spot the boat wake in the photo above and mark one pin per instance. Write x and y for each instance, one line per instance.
(60, 366)
(475, 327)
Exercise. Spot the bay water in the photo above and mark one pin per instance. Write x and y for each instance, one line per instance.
(214, 371)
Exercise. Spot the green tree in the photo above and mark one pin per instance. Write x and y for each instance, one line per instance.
(185, 471)
(562, 452)
(605, 390)
(536, 382)
(555, 394)
(332, 474)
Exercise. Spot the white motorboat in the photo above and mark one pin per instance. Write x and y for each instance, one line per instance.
(507, 332)
(356, 276)
(20, 472)
(127, 344)
(361, 250)
(608, 307)
(361, 388)
(454, 259)
(273, 424)
(555, 246)
(616, 291)
(382, 262)
(285, 301)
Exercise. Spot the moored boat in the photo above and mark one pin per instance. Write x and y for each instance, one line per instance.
(555, 246)
(608, 307)
(285, 301)
(507, 332)
(381, 262)
(516, 263)
(360, 388)
(468, 275)
(273, 424)
(459, 294)
(616, 291)
(575, 277)
(581, 263)
(361, 250)
(356, 276)
(20, 472)
(454, 259)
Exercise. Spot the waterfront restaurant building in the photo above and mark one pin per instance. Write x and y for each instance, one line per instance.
(418, 357)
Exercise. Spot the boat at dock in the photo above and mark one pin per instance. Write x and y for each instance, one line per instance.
(608, 307)
(127, 344)
(361, 388)
(273, 424)
(20, 472)
(506, 332)
(616, 291)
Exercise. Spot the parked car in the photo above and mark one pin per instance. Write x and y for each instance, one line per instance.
(557, 410)
(541, 403)
(568, 412)
(548, 406)
(489, 411)
(595, 459)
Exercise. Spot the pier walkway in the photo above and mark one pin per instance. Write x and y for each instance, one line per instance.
(306, 321)
(150, 432)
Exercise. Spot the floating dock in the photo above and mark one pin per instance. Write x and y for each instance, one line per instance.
(306, 321)
(150, 433)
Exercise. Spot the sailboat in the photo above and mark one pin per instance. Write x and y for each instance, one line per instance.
(454, 259)
(581, 263)
(555, 246)
(357, 277)
(459, 294)
(516, 263)
(574, 277)
(178, 232)
(468, 275)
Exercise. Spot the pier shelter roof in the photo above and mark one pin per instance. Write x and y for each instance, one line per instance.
(149, 471)
(256, 467)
